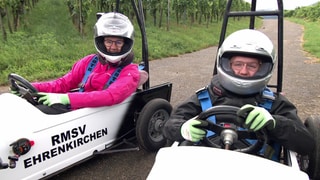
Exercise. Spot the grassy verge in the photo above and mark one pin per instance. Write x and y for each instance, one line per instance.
(48, 44)
(311, 38)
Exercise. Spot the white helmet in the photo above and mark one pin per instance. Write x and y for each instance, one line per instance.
(250, 43)
(113, 24)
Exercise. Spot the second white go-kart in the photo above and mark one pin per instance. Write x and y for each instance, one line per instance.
(35, 145)
(214, 161)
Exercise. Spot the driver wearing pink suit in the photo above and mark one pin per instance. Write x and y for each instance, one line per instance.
(113, 37)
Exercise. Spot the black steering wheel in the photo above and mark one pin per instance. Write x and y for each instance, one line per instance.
(23, 87)
(228, 123)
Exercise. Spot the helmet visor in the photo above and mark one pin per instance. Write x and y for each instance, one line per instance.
(264, 65)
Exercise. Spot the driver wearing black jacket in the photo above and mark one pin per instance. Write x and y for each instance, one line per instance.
(245, 63)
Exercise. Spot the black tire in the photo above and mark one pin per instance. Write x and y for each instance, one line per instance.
(313, 125)
(150, 123)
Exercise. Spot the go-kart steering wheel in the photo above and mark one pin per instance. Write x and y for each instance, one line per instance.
(24, 87)
(228, 115)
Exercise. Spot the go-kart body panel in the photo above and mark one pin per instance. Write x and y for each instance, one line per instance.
(194, 162)
(59, 140)
(63, 140)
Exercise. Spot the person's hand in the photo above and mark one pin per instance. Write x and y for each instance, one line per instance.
(190, 132)
(14, 91)
(53, 98)
(256, 117)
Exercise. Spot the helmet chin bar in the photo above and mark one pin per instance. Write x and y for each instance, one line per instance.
(242, 86)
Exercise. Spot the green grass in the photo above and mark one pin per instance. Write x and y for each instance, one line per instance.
(311, 38)
(48, 44)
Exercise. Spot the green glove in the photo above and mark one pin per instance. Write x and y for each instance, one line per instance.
(14, 92)
(192, 133)
(53, 98)
(257, 118)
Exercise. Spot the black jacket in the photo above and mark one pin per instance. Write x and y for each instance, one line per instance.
(290, 131)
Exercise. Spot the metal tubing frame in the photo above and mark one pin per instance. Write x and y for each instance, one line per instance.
(252, 14)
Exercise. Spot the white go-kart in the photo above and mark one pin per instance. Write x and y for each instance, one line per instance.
(36, 145)
(213, 158)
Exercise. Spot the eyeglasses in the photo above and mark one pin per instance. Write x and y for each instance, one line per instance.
(109, 43)
(252, 66)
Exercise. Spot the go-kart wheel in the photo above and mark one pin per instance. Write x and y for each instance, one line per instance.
(150, 123)
(227, 119)
(23, 86)
(311, 163)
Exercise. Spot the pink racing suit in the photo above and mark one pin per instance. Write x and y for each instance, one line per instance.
(94, 94)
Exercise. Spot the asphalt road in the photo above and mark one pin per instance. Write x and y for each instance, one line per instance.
(192, 71)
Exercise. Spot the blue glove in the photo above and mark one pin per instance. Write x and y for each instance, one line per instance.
(190, 132)
(53, 98)
(257, 118)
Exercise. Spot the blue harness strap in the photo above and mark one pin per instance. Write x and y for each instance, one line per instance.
(114, 76)
(141, 66)
(268, 97)
(89, 69)
(206, 103)
(270, 151)
(204, 98)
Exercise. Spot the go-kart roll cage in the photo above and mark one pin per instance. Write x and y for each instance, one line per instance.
(149, 106)
(138, 9)
(253, 13)
(141, 20)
